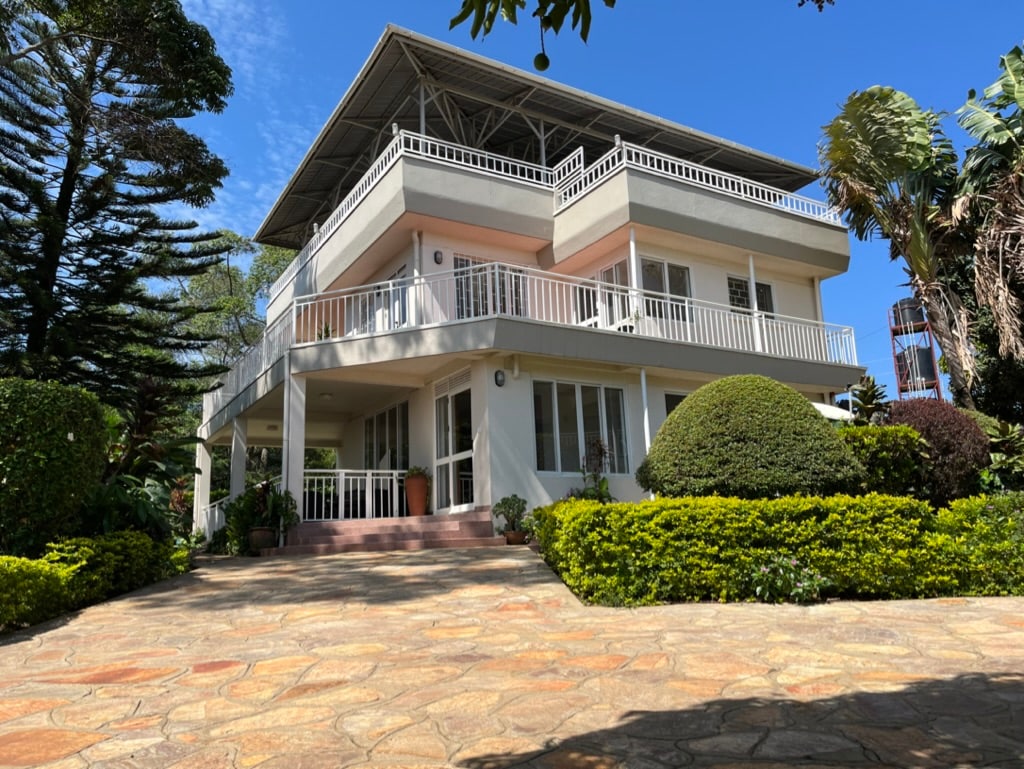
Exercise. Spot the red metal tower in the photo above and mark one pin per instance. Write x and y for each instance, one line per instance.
(913, 351)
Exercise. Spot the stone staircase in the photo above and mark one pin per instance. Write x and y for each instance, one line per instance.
(473, 529)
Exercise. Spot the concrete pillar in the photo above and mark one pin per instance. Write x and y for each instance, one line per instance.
(239, 444)
(293, 439)
(201, 499)
(634, 276)
(647, 412)
(755, 315)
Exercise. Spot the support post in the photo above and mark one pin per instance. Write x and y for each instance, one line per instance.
(634, 278)
(647, 411)
(755, 314)
(239, 444)
(201, 499)
(293, 439)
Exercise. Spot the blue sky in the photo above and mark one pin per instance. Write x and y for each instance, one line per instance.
(759, 72)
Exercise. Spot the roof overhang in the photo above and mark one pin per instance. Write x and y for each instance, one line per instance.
(417, 83)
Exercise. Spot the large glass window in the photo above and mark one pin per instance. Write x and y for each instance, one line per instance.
(573, 416)
(453, 468)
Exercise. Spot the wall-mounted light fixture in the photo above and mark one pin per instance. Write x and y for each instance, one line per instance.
(438, 257)
(499, 377)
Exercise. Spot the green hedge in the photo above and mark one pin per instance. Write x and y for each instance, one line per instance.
(710, 548)
(894, 457)
(82, 571)
(52, 454)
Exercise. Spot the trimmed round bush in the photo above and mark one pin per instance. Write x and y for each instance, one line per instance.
(747, 436)
(52, 455)
(894, 457)
(957, 448)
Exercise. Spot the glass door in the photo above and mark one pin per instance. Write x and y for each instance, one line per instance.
(453, 470)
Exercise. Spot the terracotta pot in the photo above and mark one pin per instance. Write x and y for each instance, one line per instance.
(515, 537)
(261, 537)
(416, 487)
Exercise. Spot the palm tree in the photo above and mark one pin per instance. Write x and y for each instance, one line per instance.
(887, 165)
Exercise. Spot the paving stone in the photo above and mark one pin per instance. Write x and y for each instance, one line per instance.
(39, 746)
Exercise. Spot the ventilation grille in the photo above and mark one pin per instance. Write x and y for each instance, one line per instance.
(454, 382)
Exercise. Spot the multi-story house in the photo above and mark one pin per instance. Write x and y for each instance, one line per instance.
(496, 272)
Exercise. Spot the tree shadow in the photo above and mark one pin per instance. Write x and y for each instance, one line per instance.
(372, 578)
(972, 720)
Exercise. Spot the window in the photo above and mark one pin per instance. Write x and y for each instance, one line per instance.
(669, 282)
(672, 400)
(453, 448)
(485, 288)
(568, 417)
(739, 295)
(386, 439)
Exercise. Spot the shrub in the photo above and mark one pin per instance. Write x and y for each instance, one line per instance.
(32, 590)
(747, 436)
(715, 548)
(51, 458)
(894, 457)
(710, 548)
(986, 535)
(81, 571)
(261, 505)
(957, 448)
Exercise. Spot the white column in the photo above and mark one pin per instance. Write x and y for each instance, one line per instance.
(647, 411)
(201, 499)
(416, 290)
(293, 438)
(634, 275)
(239, 443)
(755, 314)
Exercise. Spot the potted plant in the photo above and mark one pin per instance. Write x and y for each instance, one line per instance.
(256, 518)
(513, 509)
(417, 490)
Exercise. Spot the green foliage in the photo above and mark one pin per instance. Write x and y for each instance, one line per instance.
(782, 578)
(595, 484)
(81, 571)
(870, 402)
(260, 505)
(957, 448)
(33, 591)
(894, 457)
(747, 436)
(95, 156)
(985, 536)
(512, 508)
(51, 458)
(711, 548)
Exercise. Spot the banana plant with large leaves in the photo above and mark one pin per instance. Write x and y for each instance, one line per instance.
(887, 165)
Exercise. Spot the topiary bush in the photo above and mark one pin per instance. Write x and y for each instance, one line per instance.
(32, 590)
(894, 457)
(52, 454)
(957, 448)
(747, 436)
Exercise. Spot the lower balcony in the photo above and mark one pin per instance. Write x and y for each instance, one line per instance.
(499, 290)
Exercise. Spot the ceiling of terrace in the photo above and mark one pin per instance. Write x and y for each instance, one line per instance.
(422, 85)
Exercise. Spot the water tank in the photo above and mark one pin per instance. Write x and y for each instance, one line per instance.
(908, 314)
(915, 369)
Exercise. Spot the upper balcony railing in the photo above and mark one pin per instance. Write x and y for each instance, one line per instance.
(500, 290)
(568, 180)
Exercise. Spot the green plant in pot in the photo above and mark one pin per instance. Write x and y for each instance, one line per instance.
(256, 519)
(417, 490)
(513, 509)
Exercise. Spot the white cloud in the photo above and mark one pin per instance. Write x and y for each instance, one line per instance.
(249, 35)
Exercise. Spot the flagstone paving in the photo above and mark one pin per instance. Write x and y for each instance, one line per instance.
(482, 659)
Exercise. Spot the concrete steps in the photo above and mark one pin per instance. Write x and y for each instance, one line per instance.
(459, 530)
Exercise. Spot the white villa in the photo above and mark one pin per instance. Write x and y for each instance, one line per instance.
(495, 270)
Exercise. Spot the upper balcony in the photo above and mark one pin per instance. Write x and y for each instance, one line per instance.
(562, 210)
(496, 290)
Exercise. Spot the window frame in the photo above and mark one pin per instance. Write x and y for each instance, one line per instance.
(617, 464)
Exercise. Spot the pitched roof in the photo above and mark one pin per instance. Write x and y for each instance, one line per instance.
(482, 103)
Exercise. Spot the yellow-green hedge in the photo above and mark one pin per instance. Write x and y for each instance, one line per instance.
(81, 571)
(708, 548)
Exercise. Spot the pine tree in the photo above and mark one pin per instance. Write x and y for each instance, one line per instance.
(96, 178)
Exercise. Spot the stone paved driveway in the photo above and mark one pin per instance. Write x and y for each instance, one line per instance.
(482, 659)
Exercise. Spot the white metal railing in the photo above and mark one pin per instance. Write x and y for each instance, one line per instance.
(265, 353)
(334, 495)
(629, 155)
(411, 144)
(495, 289)
(211, 517)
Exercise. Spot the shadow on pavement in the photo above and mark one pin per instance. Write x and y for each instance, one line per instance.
(969, 721)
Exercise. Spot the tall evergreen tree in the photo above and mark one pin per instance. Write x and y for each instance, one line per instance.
(94, 168)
